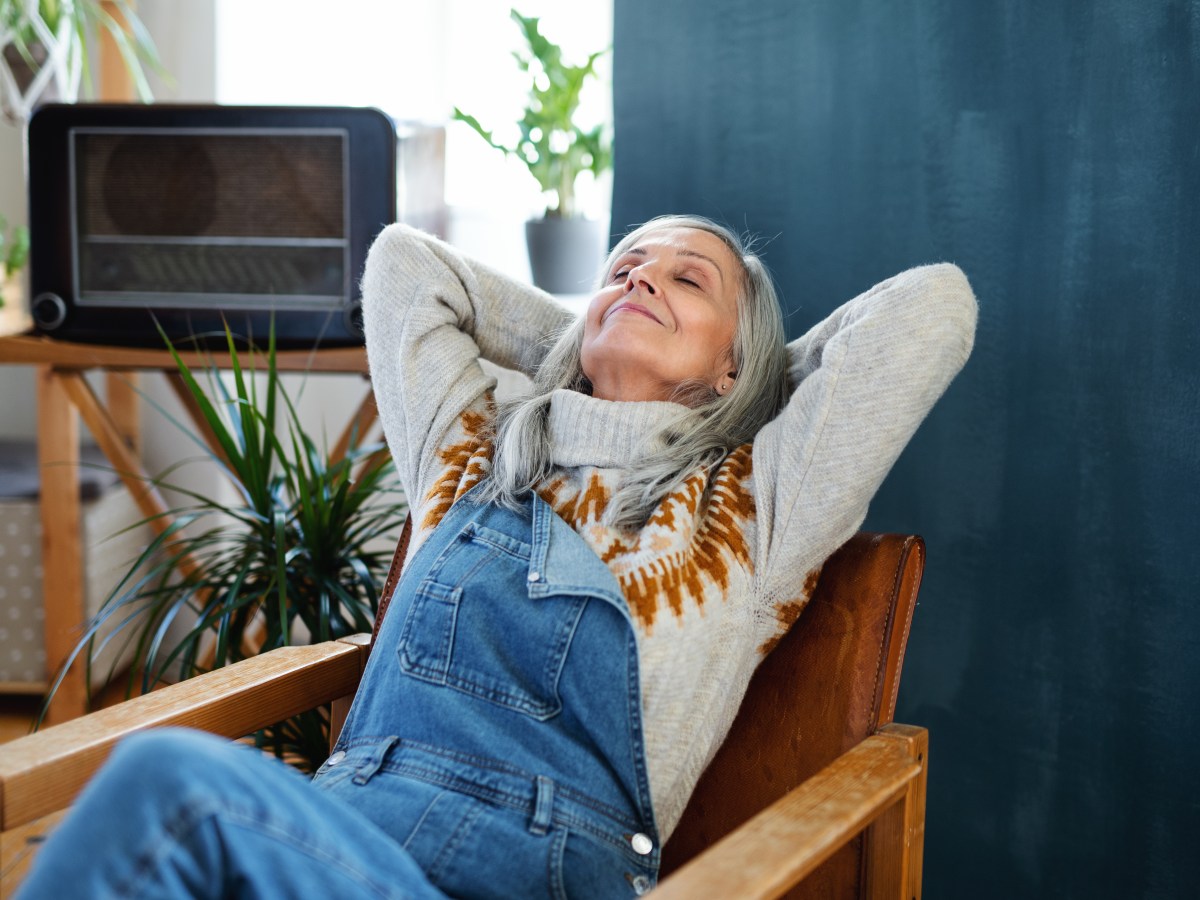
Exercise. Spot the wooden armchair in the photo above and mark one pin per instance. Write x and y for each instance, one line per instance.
(814, 793)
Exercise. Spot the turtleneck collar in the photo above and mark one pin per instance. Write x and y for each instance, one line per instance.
(604, 433)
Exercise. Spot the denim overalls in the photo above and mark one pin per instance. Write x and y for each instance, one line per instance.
(497, 731)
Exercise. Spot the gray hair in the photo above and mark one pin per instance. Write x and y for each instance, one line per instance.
(708, 426)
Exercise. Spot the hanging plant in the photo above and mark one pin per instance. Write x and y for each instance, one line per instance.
(44, 50)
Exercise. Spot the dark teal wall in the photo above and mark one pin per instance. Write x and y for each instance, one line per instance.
(1053, 152)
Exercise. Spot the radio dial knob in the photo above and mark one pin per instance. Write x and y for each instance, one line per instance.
(49, 311)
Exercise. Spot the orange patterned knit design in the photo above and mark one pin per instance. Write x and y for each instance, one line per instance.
(683, 556)
(687, 550)
(466, 463)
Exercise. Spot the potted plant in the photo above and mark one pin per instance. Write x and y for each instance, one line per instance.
(14, 252)
(44, 49)
(299, 556)
(564, 247)
(14, 249)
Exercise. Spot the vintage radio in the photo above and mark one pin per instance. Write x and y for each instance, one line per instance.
(199, 215)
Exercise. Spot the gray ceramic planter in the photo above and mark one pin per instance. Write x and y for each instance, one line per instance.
(565, 254)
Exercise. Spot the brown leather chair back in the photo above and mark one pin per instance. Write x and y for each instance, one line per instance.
(830, 683)
(393, 577)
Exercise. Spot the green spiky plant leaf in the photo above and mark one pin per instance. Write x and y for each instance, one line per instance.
(300, 555)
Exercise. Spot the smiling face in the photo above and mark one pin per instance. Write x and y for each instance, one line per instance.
(665, 316)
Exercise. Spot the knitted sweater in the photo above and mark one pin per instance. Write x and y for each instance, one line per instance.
(715, 578)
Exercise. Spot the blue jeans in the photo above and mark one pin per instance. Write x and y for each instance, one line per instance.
(176, 813)
(494, 749)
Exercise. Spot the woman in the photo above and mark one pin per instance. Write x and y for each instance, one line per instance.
(595, 572)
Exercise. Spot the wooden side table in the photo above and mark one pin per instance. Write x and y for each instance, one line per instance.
(64, 397)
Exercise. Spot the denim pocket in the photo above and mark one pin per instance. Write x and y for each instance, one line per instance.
(584, 867)
(472, 625)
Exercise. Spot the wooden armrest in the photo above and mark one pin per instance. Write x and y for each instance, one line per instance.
(777, 848)
(42, 773)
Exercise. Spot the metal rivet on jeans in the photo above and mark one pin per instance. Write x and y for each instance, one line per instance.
(640, 884)
(336, 758)
(535, 576)
(641, 844)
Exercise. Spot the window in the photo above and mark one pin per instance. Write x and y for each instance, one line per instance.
(416, 60)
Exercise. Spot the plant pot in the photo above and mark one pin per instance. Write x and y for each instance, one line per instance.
(19, 94)
(23, 73)
(565, 254)
(14, 314)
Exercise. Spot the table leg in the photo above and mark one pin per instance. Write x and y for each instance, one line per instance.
(62, 557)
(124, 405)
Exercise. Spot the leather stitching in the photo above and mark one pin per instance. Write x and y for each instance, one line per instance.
(912, 608)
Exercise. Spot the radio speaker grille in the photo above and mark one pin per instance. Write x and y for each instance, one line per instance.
(233, 185)
(256, 219)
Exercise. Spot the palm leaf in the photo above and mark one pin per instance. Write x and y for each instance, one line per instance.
(297, 546)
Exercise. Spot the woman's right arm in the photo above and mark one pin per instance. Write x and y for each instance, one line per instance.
(430, 314)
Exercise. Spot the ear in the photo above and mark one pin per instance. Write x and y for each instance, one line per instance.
(725, 383)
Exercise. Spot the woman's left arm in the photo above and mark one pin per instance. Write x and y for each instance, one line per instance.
(863, 380)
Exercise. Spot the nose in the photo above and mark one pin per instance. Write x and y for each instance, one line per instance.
(641, 277)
